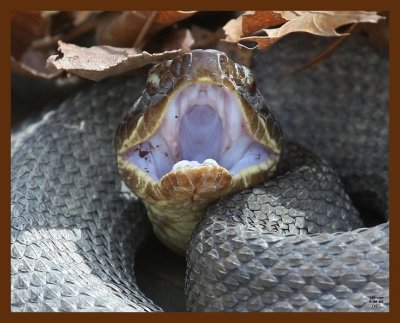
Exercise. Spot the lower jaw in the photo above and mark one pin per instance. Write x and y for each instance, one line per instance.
(171, 229)
(185, 196)
(177, 202)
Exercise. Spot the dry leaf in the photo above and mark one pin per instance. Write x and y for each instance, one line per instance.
(124, 30)
(322, 23)
(91, 21)
(233, 29)
(378, 33)
(25, 28)
(81, 16)
(99, 62)
(251, 22)
(260, 42)
(178, 39)
(65, 21)
(256, 20)
(33, 63)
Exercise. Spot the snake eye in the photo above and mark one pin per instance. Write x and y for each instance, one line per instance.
(153, 82)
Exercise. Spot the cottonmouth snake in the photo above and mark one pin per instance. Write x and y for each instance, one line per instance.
(74, 230)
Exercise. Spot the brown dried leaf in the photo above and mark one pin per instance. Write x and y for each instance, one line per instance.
(125, 28)
(26, 26)
(33, 63)
(378, 33)
(167, 18)
(92, 21)
(81, 16)
(256, 20)
(233, 29)
(99, 62)
(62, 23)
(178, 39)
(322, 23)
(251, 22)
(260, 42)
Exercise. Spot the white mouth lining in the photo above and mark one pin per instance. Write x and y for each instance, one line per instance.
(221, 115)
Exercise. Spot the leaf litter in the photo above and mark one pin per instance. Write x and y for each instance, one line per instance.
(119, 42)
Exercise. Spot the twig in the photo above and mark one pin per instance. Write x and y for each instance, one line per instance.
(325, 52)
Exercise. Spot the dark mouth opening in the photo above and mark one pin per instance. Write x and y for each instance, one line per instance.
(203, 124)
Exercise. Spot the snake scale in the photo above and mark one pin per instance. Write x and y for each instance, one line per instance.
(75, 229)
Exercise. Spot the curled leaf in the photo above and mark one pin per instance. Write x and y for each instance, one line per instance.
(322, 23)
(178, 39)
(256, 20)
(251, 22)
(99, 62)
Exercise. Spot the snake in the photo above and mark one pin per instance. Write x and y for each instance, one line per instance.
(265, 223)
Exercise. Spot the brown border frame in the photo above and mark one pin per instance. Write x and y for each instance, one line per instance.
(5, 120)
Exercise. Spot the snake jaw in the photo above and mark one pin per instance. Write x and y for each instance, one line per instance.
(203, 120)
(201, 106)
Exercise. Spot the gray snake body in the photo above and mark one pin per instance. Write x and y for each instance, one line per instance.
(74, 231)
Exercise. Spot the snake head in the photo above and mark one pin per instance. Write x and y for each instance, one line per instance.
(199, 131)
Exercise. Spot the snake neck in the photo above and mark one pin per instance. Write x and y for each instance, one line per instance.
(173, 224)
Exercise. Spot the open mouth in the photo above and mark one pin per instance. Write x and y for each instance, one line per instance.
(203, 124)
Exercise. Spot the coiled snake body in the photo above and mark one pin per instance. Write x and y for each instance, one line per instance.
(75, 230)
